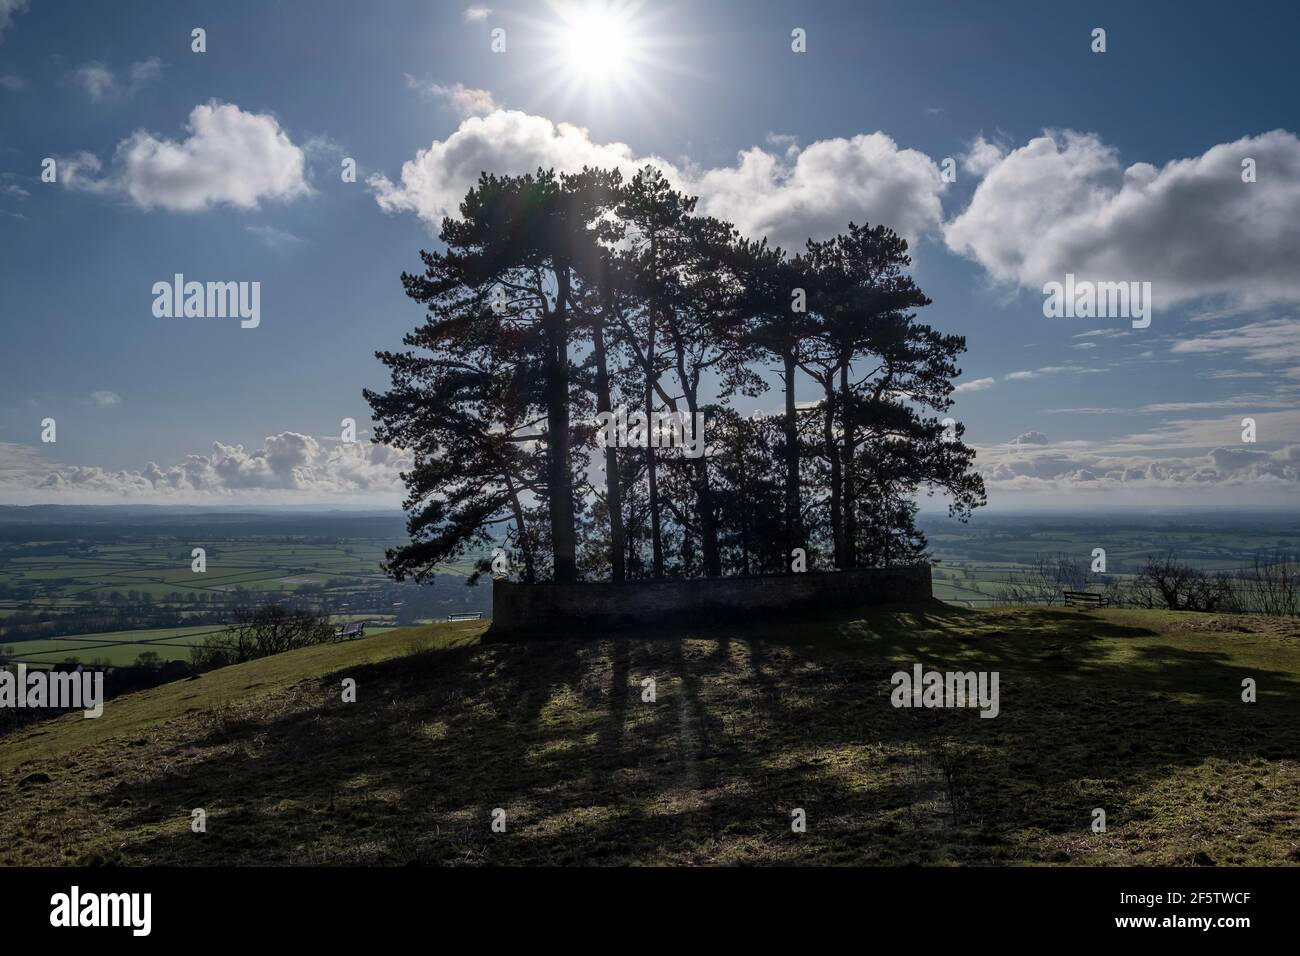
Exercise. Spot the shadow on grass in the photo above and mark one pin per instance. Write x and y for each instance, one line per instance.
(748, 724)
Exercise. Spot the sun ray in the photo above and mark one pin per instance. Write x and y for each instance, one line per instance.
(603, 55)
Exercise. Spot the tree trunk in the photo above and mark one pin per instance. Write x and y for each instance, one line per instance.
(704, 500)
(793, 522)
(613, 484)
(656, 534)
(563, 538)
(525, 543)
(833, 453)
(850, 494)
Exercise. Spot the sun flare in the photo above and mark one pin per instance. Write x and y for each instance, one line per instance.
(597, 43)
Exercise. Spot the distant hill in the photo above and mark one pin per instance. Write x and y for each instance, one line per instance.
(1135, 712)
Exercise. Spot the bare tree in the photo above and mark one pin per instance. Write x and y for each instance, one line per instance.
(1165, 582)
(261, 633)
(1272, 584)
(1045, 581)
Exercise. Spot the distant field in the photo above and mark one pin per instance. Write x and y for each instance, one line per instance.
(975, 559)
(121, 647)
(339, 560)
(135, 574)
(159, 569)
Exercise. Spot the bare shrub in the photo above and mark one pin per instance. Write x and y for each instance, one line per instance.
(1044, 581)
(261, 633)
(1165, 582)
(1272, 584)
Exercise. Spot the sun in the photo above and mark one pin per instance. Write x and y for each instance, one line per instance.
(597, 42)
(605, 55)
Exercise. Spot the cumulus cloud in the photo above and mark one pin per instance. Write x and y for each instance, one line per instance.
(982, 156)
(1064, 203)
(1191, 461)
(465, 100)
(788, 195)
(288, 467)
(473, 14)
(507, 142)
(105, 397)
(1030, 438)
(229, 157)
(815, 191)
(1271, 475)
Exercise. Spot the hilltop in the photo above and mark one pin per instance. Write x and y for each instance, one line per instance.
(1136, 712)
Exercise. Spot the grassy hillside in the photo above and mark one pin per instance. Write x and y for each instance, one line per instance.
(1135, 712)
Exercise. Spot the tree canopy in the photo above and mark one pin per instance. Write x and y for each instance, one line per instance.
(566, 303)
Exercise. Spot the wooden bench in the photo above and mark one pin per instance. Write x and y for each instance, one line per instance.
(465, 616)
(1084, 599)
(354, 629)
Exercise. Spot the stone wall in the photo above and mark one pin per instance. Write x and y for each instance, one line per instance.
(590, 608)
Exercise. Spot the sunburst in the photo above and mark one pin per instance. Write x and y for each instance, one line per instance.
(604, 53)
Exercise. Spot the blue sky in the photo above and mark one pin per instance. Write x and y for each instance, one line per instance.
(224, 166)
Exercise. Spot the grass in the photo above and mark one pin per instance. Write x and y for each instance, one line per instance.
(1136, 712)
(120, 648)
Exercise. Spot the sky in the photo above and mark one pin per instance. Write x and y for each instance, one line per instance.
(1005, 148)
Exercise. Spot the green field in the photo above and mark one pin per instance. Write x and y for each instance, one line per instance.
(162, 568)
(1135, 712)
(974, 560)
(122, 647)
(102, 586)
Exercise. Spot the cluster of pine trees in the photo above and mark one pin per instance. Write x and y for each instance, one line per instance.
(560, 297)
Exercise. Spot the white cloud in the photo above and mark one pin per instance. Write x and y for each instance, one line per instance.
(100, 83)
(977, 385)
(12, 81)
(8, 9)
(277, 240)
(145, 71)
(1027, 375)
(1219, 474)
(982, 156)
(505, 142)
(1198, 461)
(96, 79)
(817, 190)
(290, 467)
(105, 397)
(473, 14)
(1233, 373)
(1102, 333)
(1272, 340)
(1064, 203)
(229, 157)
(788, 195)
(8, 187)
(463, 99)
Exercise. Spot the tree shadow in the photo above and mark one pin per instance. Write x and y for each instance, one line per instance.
(743, 730)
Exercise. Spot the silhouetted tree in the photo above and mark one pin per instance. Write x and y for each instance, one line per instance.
(559, 298)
